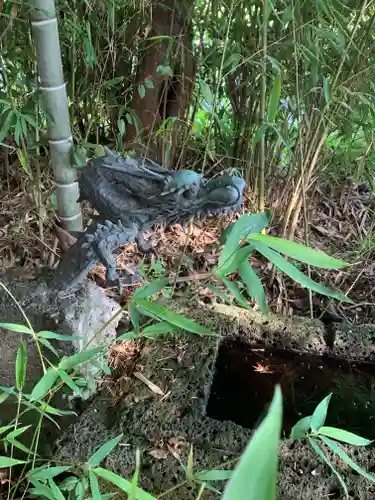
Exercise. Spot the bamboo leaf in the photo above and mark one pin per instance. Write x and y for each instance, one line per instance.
(149, 83)
(80, 357)
(345, 458)
(149, 331)
(9, 462)
(241, 254)
(69, 381)
(213, 475)
(14, 327)
(290, 270)
(3, 397)
(141, 90)
(122, 483)
(7, 124)
(17, 131)
(69, 483)
(320, 414)
(157, 329)
(56, 490)
(344, 436)
(21, 366)
(19, 445)
(164, 70)
(254, 285)
(17, 432)
(146, 291)
(42, 491)
(5, 428)
(274, 101)
(234, 290)
(45, 334)
(161, 312)
(134, 314)
(46, 472)
(81, 489)
(217, 291)
(326, 90)
(206, 92)
(301, 429)
(121, 126)
(46, 408)
(113, 82)
(94, 486)
(232, 61)
(49, 346)
(241, 229)
(44, 384)
(255, 477)
(299, 252)
(104, 451)
(260, 133)
(325, 459)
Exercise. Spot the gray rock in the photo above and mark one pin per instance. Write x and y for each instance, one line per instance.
(86, 314)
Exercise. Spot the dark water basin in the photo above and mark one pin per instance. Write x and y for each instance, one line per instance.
(245, 377)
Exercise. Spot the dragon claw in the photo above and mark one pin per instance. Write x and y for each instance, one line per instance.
(106, 238)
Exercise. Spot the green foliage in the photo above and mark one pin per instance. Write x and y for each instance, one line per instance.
(260, 458)
(104, 451)
(163, 313)
(317, 434)
(243, 237)
(21, 365)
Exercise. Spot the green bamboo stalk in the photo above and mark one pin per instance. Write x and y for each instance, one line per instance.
(263, 90)
(55, 102)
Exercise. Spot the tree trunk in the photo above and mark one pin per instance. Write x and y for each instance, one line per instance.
(52, 86)
(167, 61)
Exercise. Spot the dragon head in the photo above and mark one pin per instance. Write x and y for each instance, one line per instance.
(139, 191)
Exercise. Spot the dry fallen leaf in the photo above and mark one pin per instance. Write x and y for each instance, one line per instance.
(154, 388)
(159, 454)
